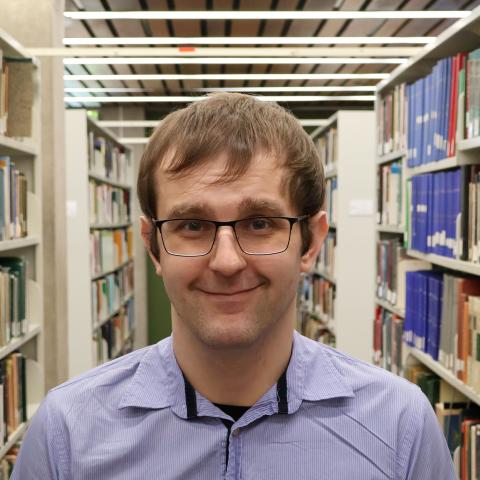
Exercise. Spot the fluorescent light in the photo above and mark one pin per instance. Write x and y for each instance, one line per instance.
(176, 99)
(228, 60)
(128, 123)
(133, 140)
(102, 90)
(306, 122)
(289, 51)
(245, 40)
(265, 15)
(234, 76)
(326, 88)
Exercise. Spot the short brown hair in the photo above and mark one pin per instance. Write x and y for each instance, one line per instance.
(241, 127)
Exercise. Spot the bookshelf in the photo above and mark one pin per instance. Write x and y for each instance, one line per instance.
(100, 243)
(341, 275)
(21, 245)
(397, 122)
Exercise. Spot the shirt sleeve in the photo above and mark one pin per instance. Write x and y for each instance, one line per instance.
(40, 456)
(425, 450)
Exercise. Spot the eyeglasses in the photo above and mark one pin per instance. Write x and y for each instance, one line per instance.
(192, 237)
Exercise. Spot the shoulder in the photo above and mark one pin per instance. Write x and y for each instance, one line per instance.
(368, 379)
(106, 383)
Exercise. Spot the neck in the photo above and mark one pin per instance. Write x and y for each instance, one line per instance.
(238, 376)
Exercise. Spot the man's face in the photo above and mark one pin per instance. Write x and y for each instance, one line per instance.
(228, 299)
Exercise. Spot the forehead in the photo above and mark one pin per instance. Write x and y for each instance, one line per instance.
(207, 187)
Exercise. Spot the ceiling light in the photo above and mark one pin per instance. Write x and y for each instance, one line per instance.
(266, 15)
(103, 90)
(306, 122)
(229, 60)
(181, 99)
(325, 88)
(245, 40)
(234, 76)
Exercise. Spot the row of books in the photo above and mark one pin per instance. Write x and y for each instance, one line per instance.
(13, 201)
(442, 319)
(458, 418)
(327, 148)
(389, 194)
(13, 394)
(108, 205)
(312, 328)
(392, 265)
(110, 248)
(392, 121)
(325, 262)
(115, 337)
(432, 105)
(108, 159)
(13, 292)
(331, 199)
(427, 117)
(317, 296)
(387, 340)
(439, 212)
(109, 293)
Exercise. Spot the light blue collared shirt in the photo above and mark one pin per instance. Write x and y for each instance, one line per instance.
(329, 417)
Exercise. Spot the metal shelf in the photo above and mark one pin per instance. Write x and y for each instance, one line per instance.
(391, 229)
(25, 242)
(391, 157)
(444, 373)
(12, 146)
(325, 275)
(451, 263)
(391, 308)
(110, 181)
(106, 226)
(113, 270)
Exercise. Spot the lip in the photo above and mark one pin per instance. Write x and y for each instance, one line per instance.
(229, 294)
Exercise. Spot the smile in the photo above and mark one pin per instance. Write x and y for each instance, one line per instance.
(229, 294)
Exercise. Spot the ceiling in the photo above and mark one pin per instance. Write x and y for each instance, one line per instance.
(247, 28)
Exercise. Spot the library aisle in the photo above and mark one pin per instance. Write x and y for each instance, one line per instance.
(388, 94)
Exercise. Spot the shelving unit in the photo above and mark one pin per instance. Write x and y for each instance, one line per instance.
(354, 228)
(85, 330)
(22, 145)
(463, 36)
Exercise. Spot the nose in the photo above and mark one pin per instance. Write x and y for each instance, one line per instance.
(226, 257)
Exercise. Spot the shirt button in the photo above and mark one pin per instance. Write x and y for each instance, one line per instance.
(236, 432)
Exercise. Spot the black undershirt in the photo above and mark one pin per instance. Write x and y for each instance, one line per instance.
(234, 411)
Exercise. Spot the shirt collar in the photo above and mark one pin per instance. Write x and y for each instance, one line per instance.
(159, 383)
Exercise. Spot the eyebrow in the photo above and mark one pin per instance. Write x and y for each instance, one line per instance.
(247, 207)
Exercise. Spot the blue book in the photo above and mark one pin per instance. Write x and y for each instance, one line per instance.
(435, 109)
(410, 309)
(408, 93)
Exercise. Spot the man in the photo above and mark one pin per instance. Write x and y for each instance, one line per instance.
(232, 191)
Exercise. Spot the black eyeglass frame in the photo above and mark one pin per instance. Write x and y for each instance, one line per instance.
(231, 223)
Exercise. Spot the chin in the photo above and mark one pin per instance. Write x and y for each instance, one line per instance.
(228, 338)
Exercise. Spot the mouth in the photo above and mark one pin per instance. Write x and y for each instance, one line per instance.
(222, 294)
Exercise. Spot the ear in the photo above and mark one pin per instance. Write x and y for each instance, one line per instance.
(146, 227)
(319, 228)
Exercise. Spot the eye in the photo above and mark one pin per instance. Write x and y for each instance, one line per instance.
(192, 226)
(259, 224)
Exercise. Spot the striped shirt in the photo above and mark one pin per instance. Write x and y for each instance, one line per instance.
(329, 417)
